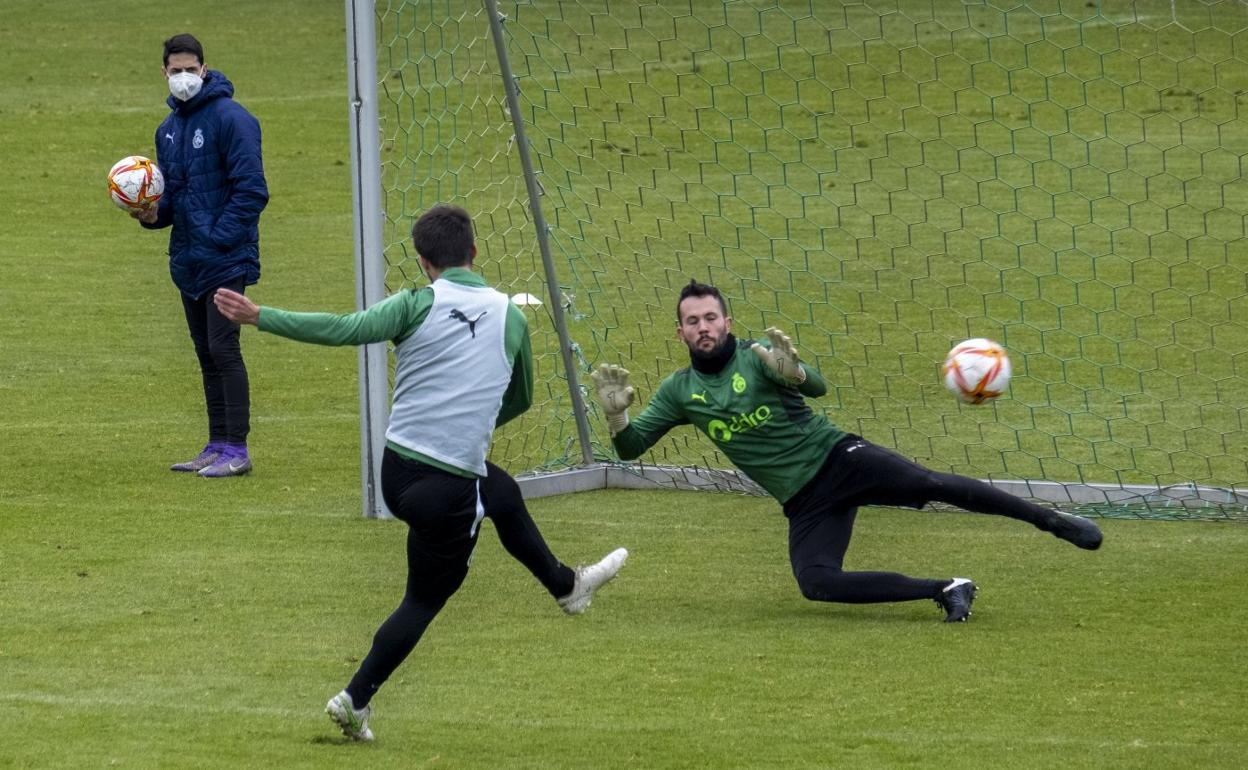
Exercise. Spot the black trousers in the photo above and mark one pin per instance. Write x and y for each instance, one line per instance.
(443, 513)
(821, 519)
(227, 394)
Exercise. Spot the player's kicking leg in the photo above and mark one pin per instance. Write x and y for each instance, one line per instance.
(573, 589)
(589, 578)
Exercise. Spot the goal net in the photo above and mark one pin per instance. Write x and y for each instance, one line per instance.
(881, 180)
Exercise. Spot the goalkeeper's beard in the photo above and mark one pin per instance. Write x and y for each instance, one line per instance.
(714, 359)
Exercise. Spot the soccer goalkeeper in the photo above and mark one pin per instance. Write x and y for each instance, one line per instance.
(464, 366)
(748, 398)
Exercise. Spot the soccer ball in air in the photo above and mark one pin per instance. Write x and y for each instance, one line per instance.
(977, 370)
(135, 183)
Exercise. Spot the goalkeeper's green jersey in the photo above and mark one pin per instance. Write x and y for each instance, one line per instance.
(758, 421)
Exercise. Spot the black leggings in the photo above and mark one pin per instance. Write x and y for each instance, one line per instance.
(226, 391)
(443, 513)
(857, 472)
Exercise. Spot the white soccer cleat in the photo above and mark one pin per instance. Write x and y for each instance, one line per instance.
(589, 579)
(353, 721)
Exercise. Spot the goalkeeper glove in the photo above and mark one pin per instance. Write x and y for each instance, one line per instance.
(781, 358)
(615, 395)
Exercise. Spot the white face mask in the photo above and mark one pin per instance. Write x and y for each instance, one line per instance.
(184, 85)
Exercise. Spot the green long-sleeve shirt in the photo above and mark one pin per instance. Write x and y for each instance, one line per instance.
(761, 423)
(396, 318)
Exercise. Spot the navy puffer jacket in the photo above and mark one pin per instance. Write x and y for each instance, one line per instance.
(209, 151)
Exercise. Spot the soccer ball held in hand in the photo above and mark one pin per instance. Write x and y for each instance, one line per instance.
(135, 183)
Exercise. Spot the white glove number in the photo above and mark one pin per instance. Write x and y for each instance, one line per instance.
(614, 394)
(782, 358)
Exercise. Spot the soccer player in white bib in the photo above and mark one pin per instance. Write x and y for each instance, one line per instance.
(749, 398)
(463, 367)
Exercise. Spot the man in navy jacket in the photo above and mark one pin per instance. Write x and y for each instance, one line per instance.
(209, 150)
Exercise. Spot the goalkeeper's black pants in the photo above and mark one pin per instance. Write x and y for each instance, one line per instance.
(443, 513)
(857, 472)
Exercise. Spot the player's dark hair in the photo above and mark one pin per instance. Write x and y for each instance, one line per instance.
(695, 289)
(443, 235)
(183, 43)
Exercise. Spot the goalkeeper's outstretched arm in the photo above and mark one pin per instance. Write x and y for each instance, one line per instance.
(814, 385)
(615, 395)
(631, 439)
(780, 358)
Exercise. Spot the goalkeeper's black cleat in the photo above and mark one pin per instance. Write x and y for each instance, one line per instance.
(1075, 529)
(956, 600)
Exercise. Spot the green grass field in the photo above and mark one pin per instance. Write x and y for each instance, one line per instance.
(157, 621)
(204, 626)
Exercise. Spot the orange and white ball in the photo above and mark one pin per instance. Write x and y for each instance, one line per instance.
(977, 370)
(135, 183)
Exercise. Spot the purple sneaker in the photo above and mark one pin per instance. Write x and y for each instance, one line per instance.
(233, 461)
(207, 457)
